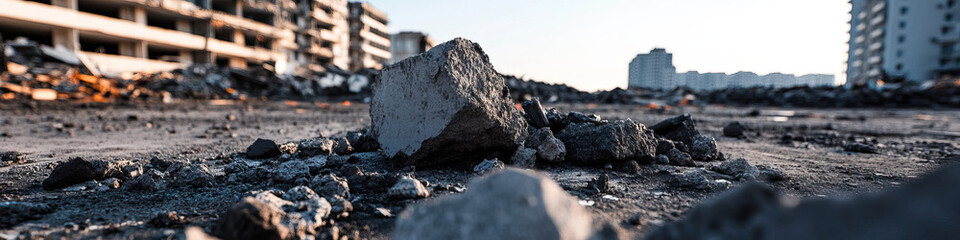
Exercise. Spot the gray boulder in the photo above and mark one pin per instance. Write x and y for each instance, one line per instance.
(524, 158)
(703, 148)
(738, 168)
(447, 105)
(512, 204)
(74, 171)
(617, 141)
(679, 128)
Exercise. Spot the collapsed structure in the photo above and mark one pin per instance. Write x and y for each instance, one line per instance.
(116, 36)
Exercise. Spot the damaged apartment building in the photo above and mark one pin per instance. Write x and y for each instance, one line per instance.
(289, 36)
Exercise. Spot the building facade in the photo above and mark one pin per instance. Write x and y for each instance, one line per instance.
(407, 44)
(902, 40)
(369, 37)
(154, 35)
(652, 70)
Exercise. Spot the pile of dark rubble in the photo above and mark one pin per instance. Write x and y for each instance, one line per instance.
(944, 95)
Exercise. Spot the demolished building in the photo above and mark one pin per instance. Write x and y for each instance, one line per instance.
(116, 36)
(369, 37)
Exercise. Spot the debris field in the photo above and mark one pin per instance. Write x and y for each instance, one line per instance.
(443, 151)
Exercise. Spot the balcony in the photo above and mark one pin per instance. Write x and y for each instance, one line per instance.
(877, 8)
(876, 20)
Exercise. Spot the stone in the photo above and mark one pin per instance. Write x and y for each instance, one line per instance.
(289, 148)
(196, 175)
(299, 193)
(558, 120)
(314, 147)
(167, 219)
(737, 168)
(664, 146)
(597, 144)
(679, 128)
(106, 169)
(10, 158)
(84, 186)
(679, 158)
(16, 212)
(771, 174)
(860, 148)
(630, 167)
(601, 184)
(662, 159)
(537, 136)
(524, 158)
(577, 117)
(252, 219)
(734, 130)
(341, 146)
(488, 165)
(362, 141)
(445, 106)
(290, 172)
(74, 171)
(331, 186)
(408, 188)
(692, 179)
(511, 204)
(703, 148)
(534, 114)
(263, 148)
(112, 183)
(552, 150)
(151, 180)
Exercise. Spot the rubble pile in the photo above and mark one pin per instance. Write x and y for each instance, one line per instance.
(39, 72)
(906, 95)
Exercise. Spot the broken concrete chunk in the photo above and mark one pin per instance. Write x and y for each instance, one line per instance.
(859, 147)
(552, 150)
(76, 170)
(315, 146)
(488, 165)
(362, 141)
(768, 173)
(595, 144)
(680, 128)
(734, 130)
(703, 148)
(662, 159)
(730, 215)
(167, 219)
(664, 146)
(84, 186)
(447, 105)
(408, 188)
(196, 175)
(738, 168)
(252, 219)
(534, 114)
(331, 186)
(577, 117)
(524, 158)
(151, 180)
(558, 120)
(512, 204)
(112, 183)
(263, 148)
(341, 146)
(291, 172)
(289, 148)
(537, 137)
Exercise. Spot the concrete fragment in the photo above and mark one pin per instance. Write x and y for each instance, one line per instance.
(84, 186)
(768, 173)
(662, 159)
(595, 144)
(151, 180)
(167, 219)
(362, 141)
(196, 175)
(291, 172)
(512, 204)
(488, 165)
(738, 168)
(263, 148)
(558, 120)
(407, 188)
(697, 179)
(112, 183)
(577, 117)
(537, 137)
(75, 170)
(734, 130)
(859, 147)
(252, 219)
(314, 147)
(664, 146)
(16, 212)
(703, 148)
(680, 128)
(601, 184)
(524, 158)
(341, 146)
(552, 150)
(679, 158)
(534, 114)
(331, 186)
(444, 106)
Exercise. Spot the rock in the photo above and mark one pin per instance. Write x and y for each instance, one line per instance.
(196, 175)
(75, 170)
(630, 167)
(638, 219)
(662, 159)
(445, 106)
(314, 147)
(252, 219)
(263, 148)
(601, 184)
(558, 120)
(679, 158)
(730, 215)
(537, 137)
(167, 219)
(12, 158)
(664, 146)
(552, 150)
(408, 188)
(306, 211)
(596, 144)
(680, 128)
(738, 168)
(341, 146)
(106, 169)
(734, 130)
(151, 180)
(696, 179)
(330, 186)
(291, 172)
(703, 148)
(512, 204)
(577, 117)
(84, 186)
(112, 183)
(770, 173)
(288, 149)
(299, 193)
(859, 147)
(534, 114)
(488, 165)
(16, 212)
(524, 157)
(362, 141)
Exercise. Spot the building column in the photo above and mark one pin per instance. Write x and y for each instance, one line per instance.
(134, 49)
(184, 26)
(239, 8)
(186, 57)
(238, 37)
(134, 14)
(66, 37)
(238, 63)
(71, 4)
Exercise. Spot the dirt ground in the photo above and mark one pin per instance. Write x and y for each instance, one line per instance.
(910, 143)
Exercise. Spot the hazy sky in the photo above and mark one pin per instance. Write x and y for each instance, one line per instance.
(588, 44)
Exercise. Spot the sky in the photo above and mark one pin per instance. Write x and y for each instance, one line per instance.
(588, 44)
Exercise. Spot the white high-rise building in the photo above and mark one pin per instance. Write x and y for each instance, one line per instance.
(653, 70)
(894, 40)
